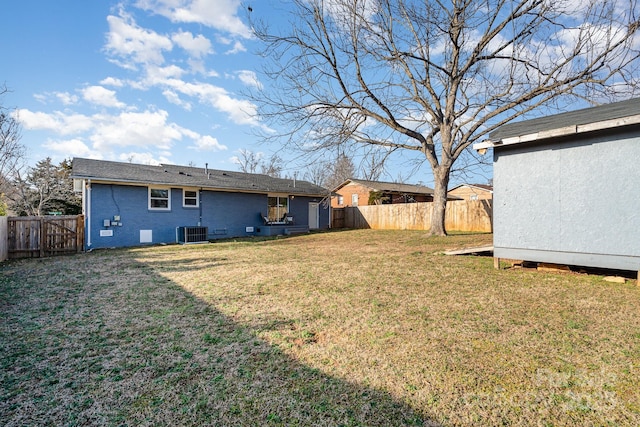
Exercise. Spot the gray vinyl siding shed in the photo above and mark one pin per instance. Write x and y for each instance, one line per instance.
(567, 188)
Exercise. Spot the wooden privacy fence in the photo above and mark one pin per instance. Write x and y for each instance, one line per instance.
(33, 237)
(461, 215)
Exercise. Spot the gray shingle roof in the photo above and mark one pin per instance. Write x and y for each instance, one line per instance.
(616, 110)
(390, 187)
(185, 176)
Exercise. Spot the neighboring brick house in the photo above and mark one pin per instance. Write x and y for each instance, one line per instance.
(472, 192)
(357, 192)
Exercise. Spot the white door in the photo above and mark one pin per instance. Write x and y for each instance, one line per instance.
(314, 216)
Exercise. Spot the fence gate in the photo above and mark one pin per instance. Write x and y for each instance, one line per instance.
(337, 217)
(33, 237)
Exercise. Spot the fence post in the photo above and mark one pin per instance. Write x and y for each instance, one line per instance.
(43, 236)
(4, 238)
(80, 234)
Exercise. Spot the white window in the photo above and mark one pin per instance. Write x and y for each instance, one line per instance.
(190, 198)
(354, 200)
(277, 208)
(159, 199)
(340, 200)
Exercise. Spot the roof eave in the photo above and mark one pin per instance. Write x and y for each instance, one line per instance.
(559, 132)
(102, 180)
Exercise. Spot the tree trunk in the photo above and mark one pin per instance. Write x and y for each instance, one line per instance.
(441, 179)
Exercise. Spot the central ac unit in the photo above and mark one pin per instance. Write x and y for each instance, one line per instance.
(191, 234)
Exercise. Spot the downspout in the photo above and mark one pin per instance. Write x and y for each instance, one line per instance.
(330, 211)
(88, 213)
(200, 207)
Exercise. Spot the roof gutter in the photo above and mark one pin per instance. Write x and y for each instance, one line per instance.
(482, 147)
(194, 185)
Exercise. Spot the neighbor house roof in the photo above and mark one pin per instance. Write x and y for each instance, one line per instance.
(389, 187)
(603, 117)
(185, 176)
(484, 187)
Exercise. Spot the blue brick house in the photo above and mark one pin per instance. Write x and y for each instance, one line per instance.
(127, 204)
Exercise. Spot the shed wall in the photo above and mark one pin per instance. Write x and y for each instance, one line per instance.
(571, 201)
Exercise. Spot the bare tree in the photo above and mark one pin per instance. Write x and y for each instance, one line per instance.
(373, 165)
(317, 172)
(341, 169)
(434, 77)
(251, 162)
(247, 161)
(330, 173)
(272, 166)
(11, 150)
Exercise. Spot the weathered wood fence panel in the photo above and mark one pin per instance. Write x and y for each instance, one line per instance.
(33, 237)
(337, 218)
(470, 215)
(4, 241)
(463, 215)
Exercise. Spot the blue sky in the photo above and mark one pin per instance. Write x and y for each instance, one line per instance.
(147, 81)
(134, 80)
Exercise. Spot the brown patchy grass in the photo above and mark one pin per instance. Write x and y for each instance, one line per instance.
(364, 327)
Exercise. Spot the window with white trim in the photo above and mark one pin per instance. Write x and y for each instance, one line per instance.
(277, 208)
(159, 199)
(190, 198)
(354, 199)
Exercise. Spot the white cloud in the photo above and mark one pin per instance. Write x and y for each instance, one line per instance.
(174, 98)
(249, 78)
(237, 45)
(218, 14)
(101, 96)
(112, 81)
(40, 98)
(71, 148)
(143, 158)
(198, 66)
(158, 75)
(197, 47)
(239, 111)
(66, 98)
(237, 48)
(208, 143)
(133, 43)
(148, 128)
(59, 122)
(106, 131)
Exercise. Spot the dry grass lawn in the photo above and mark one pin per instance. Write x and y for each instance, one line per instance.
(353, 328)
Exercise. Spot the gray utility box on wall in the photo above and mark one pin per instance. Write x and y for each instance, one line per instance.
(191, 234)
